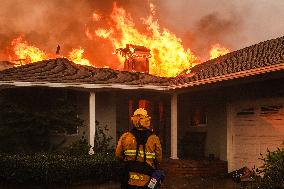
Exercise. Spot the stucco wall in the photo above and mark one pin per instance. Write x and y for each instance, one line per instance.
(106, 113)
(83, 107)
(216, 142)
(216, 132)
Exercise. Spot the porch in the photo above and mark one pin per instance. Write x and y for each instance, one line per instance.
(195, 168)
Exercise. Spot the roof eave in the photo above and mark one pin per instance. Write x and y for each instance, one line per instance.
(246, 73)
(82, 85)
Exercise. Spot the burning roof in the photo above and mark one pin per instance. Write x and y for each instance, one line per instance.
(261, 58)
(63, 72)
(5, 65)
(168, 57)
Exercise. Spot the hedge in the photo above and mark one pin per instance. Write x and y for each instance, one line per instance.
(49, 169)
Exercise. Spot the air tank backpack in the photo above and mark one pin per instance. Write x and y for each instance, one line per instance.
(155, 176)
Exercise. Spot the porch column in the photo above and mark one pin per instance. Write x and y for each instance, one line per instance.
(92, 115)
(174, 126)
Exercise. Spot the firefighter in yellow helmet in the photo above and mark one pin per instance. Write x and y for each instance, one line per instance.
(141, 151)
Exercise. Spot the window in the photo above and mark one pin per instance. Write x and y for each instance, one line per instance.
(198, 117)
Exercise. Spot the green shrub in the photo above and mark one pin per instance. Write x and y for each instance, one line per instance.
(78, 148)
(271, 174)
(102, 139)
(47, 169)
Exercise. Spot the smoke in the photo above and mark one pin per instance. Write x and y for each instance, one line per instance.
(46, 24)
(234, 24)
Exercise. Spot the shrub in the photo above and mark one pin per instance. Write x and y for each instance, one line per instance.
(102, 139)
(47, 169)
(78, 148)
(271, 174)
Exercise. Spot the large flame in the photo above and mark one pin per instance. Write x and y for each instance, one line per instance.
(169, 57)
(217, 51)
(26, 53)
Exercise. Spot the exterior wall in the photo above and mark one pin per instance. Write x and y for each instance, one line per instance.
(83, 107)
(106, 113)
(215, 130)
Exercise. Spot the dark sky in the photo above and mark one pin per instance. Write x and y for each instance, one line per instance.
(233, 23)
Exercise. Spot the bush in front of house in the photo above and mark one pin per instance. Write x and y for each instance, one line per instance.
(271, 174)
(56, 169)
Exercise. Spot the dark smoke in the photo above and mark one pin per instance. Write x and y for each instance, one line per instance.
(209, 30)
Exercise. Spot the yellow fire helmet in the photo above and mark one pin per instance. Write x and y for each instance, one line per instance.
(140, 118)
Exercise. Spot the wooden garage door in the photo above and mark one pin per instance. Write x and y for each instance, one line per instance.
(256, 127)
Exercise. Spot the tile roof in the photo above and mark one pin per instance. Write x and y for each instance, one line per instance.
(256, 59)
(62, 70)
(5, 65)
(267, 56)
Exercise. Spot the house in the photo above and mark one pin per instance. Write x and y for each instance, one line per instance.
(229, 108)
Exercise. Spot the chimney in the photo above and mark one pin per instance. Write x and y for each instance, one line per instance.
(136, 58)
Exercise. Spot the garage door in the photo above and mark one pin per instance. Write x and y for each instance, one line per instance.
(256, 127)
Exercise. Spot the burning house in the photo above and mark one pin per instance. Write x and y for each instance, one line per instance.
(227, 109)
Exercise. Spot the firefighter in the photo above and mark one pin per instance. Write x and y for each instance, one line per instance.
(141, 151)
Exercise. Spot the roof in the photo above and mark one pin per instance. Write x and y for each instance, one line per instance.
(61, 72)
(5, 65)
(267, 56)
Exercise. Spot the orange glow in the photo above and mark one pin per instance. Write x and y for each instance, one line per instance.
(103, 33)
(96, 17)
(26, 53)
(217, 51)
(169, 57)
(76, 56)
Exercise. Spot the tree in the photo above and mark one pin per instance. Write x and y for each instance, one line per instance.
(29, 116)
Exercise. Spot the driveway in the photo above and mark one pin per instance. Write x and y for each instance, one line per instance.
(179, 183)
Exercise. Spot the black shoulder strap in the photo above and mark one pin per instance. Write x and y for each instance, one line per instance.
(141, 137)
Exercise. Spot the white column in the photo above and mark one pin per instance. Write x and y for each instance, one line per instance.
(174, 127)
(92, 115)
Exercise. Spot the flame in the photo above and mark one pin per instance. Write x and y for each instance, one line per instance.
(103, 33)
(76, 56)
(169, 57)
(217, 51)
(26, 53)
(23, 53)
